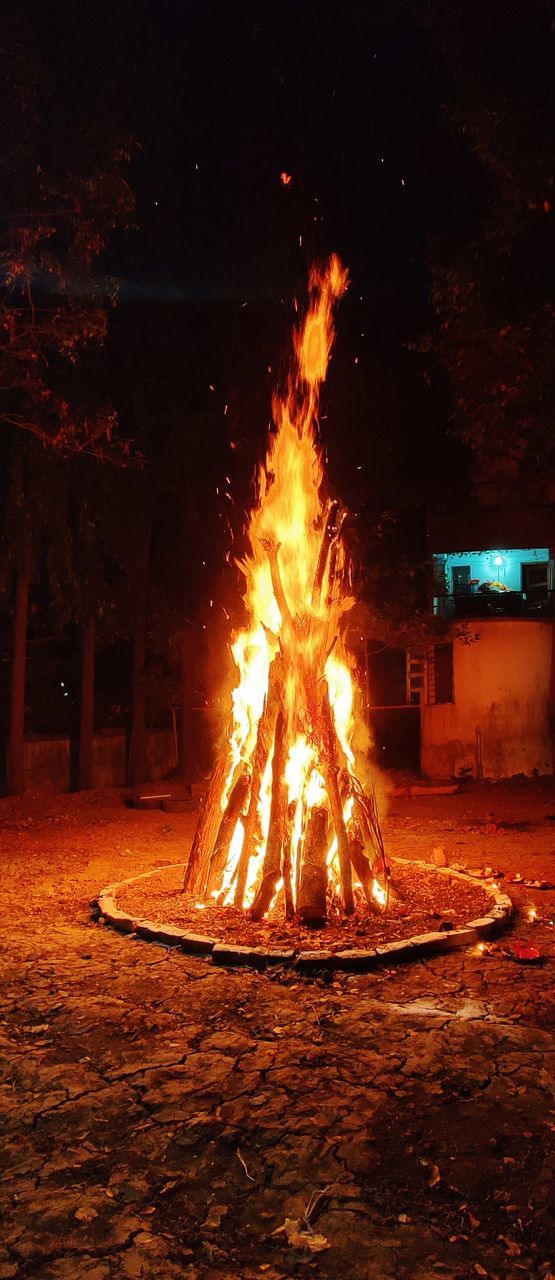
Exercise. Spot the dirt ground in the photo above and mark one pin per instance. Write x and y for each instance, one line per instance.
(162, 1118)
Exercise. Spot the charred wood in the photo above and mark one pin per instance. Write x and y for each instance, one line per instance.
(271, 870)
(286, 864)
(311, 905)
(208, 824)
(235, 805)
(331, 777)
(264, 742)
(361, 865)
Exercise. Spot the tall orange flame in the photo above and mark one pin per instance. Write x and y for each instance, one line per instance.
(294, 601)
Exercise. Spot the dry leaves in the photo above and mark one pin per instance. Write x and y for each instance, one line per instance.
(300, 1236)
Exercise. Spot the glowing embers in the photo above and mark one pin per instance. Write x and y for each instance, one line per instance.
(286, 819)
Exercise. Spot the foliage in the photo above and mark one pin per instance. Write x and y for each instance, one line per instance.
(489, 289)
(65, 197)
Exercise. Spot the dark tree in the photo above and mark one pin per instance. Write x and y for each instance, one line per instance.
(34, 526)
(63, 194)
(489, 286)
(65, 197)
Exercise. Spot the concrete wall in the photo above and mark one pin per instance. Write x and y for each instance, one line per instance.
(47, 760)
(484, 569)
(503, 687)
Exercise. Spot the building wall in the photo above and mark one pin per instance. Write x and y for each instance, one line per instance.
(484, 569)
(504, 688)
(47, 759)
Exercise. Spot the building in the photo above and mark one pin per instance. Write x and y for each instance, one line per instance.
(480, 700)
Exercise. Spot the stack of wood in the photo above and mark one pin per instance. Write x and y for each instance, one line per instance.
(299, 661)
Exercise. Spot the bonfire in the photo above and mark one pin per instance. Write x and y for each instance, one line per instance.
(286, 817)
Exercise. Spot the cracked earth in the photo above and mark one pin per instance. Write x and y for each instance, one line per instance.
(162, 1118)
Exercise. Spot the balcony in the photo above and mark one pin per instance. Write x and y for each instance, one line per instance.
(496, 604)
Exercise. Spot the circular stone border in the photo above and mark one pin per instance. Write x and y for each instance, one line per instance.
(352, 960)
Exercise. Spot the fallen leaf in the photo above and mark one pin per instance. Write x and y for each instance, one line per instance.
(511, 1246)
(85, 1215)
(480, 1271)
(301, 1239)
(434, 1175)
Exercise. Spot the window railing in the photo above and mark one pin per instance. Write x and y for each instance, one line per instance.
(496, 604)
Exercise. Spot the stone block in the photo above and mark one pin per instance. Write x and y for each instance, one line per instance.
(121, 921)
(314, 961)
(432, 943)
(398, 952)
(168, 935)
(356, 960)
(275, 955)
(106, 904)
(500, 912)
(503, 901)
(198, 944)
(483, 925)
(231, 953)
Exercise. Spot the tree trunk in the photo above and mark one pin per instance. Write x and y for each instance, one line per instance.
(16, 743)
(138, 768)
(86, 722)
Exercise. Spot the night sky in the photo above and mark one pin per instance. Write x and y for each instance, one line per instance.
(222, 100)
(355, 105)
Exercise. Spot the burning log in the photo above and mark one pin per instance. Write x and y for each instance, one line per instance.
(264, 741)
(331, 769)
(271, 548)
(208, 824)
(235, 806)
(311, 903)
(367, 811)
(286, 861)
(271, 869)
(331, 532)
(361, 865)
(292, 662)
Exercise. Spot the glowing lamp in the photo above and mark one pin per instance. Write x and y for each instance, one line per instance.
(498, 560)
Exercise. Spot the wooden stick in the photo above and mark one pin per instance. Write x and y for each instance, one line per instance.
(330, 771)
(299, 861)
(226, 831)
(361, 865)
(271, 548)
(286, 861)
(264, 741)
(311, 905)
(367, 813)
(271, 870)
(323, 554)
(208, 823)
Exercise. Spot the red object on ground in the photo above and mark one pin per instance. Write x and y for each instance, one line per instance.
(525, 953)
